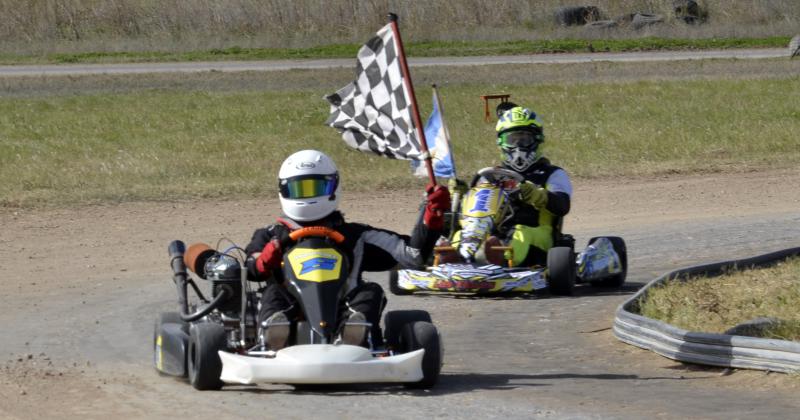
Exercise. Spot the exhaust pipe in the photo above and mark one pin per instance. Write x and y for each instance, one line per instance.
(176, 251)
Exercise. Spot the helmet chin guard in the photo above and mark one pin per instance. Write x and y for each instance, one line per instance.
(520, 159)
(307, 183)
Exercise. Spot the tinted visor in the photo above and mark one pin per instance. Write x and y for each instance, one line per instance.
(308, 186)
(523, 139)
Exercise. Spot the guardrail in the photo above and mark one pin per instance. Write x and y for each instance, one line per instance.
(704, 348)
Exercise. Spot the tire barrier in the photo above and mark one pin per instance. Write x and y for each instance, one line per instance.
(733, 351)
(689, 11)
(577, 15)
(643, 20)
(794, 47)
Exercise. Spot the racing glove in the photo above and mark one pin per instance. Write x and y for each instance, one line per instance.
(457, 186)
(533, 194)
(270, 258)
(438, 201)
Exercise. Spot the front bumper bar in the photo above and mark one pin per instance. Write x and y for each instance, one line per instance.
(322, 364)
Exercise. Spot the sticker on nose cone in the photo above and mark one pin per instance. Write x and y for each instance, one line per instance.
(316, 265)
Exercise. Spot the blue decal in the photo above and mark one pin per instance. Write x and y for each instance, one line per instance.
(482, 200)
(318, 264)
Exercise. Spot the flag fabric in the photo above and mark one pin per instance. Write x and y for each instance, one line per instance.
(436, 137)
(373, 113)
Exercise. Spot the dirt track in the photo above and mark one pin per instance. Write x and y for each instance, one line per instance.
(81, 288)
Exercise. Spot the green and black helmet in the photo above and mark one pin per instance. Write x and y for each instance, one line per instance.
(519, 134)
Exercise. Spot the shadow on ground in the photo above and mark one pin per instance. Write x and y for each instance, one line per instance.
(450, 383)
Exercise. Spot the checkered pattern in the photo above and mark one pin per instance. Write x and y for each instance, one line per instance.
(373, 113)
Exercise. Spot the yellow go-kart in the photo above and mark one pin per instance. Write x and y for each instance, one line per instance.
(481, 262)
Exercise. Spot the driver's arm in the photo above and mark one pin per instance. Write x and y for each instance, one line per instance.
(558, 203)
(261, 237)
(559, 193)
(384, 249)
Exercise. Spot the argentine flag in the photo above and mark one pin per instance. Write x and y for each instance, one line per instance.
(436, 136)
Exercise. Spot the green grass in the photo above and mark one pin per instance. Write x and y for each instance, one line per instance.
(414, 49)
(719, 303)
(164, 144)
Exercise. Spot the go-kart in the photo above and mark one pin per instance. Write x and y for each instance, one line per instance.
(470, 268)
(216, 341)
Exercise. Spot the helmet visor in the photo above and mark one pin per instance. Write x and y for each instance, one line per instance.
(523, 139)
(308, 186)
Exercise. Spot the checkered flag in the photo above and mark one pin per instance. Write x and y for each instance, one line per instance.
(373, 113)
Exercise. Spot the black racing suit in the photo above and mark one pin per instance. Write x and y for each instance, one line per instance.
(558, 205)
(367, 248)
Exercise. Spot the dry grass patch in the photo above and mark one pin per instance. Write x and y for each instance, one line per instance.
(716, 304)
(214, 135)
(35, 27)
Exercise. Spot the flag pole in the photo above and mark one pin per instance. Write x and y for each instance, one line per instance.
(410, 88)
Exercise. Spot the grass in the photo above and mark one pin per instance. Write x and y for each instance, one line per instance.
(83, 31)
(414, 49)
(719, 303)
(182, 141)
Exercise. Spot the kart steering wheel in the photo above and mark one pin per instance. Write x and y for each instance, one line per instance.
(499, 176)
(317, 231)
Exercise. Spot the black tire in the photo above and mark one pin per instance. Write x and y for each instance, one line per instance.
(423, 335)
(204, 365)
(621, 250)
(577, 15)
(689, 11)
(394, 287)
(561, 270)
(166, 318)
(395, 321)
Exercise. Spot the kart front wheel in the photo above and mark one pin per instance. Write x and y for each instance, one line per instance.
(204, 365)
(561, 270)
(423, 335)
(395, 321)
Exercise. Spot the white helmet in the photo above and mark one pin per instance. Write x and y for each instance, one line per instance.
(307, 184)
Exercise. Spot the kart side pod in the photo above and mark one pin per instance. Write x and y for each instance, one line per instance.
(171, 342)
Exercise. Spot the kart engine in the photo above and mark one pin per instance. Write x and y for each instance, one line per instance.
(224, 272)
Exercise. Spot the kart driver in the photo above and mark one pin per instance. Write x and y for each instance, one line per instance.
(308, 182)
(544, 197)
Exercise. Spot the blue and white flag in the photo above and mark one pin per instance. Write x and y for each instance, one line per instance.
(436, 136)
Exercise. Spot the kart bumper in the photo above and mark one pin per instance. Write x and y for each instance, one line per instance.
(457, 279)
(322, 364)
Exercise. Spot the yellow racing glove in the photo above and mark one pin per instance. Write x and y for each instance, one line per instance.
(533, 194)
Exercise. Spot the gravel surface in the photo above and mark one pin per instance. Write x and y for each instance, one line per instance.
(82, 286)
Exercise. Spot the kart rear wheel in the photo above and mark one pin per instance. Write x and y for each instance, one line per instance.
(394, 287)
(423, 335)
(561, 270)
(395, 321)
(616, 280)
(166, 318)
(204, 364)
